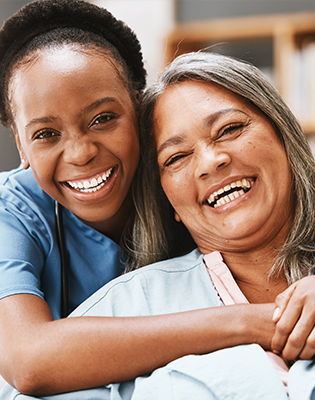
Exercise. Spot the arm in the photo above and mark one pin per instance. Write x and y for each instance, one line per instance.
(40, 356)
(295, 321)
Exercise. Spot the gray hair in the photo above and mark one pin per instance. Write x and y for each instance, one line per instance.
(295, 259)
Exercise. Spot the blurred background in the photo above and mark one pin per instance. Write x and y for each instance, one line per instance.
(278, 36)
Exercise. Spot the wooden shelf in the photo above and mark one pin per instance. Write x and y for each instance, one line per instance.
(286, 31)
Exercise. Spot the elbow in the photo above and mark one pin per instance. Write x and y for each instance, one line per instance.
(28, 385)
(27, 380)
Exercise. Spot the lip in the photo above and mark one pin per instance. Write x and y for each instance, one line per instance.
(98, 194)
(227, 182)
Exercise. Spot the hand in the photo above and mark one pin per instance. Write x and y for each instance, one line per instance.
(295, 321)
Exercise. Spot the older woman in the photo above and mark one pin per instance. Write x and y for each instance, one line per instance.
(238, 173)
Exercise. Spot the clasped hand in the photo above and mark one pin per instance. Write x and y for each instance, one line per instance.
(294, 317)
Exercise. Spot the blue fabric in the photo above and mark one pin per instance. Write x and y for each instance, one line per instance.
(29, 255)
(182, 284)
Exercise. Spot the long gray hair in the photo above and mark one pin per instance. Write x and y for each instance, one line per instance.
(296, 256)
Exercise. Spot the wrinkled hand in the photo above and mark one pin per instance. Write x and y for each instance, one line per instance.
(295, 321)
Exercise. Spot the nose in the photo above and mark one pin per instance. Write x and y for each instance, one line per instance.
(210, 158)
(79, 150)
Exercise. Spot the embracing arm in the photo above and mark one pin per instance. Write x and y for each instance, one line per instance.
(40, 356)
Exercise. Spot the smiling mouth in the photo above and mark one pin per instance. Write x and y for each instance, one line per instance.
(229, 193)
(93, 185)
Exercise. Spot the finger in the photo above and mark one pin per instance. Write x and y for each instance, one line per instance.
(285, 325)
(309, 349)
(301, 338)
(282, 301)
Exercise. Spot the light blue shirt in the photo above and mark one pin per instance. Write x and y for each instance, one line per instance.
(182, 284)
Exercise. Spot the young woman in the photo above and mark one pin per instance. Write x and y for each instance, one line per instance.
(71, 78)
(238, 172)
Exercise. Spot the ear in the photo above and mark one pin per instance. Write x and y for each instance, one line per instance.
(177, 217)
(24, 161)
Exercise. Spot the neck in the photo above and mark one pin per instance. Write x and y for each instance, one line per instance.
(251, 258)
(114, 227)
(251, 272)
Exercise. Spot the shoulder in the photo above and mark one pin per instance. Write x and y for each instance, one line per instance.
(178, 284)
(25, 209)
(19, 186)
(173, 266)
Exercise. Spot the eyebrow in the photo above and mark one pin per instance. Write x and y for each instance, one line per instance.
(91, 107)
(215, 116)
(173, 141)
(97, 103)
(178, 139)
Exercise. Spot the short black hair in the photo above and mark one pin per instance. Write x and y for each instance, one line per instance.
(76, 21)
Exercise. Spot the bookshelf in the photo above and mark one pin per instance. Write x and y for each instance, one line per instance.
(291, 41)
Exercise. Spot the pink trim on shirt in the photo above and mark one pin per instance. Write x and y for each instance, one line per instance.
(230, 293)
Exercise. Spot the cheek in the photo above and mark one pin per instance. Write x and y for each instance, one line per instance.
(130, 152)
(126, 144)
(178, 189)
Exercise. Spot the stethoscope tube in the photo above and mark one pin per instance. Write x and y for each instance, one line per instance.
(62, 252)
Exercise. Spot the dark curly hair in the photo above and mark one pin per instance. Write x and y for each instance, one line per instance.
(45, 23)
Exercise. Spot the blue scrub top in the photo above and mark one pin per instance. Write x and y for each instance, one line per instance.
(29, 255)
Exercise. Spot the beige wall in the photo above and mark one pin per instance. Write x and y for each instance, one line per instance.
(151, 20)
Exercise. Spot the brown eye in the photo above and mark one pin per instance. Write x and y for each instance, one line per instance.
(102, 119)
(46, 134)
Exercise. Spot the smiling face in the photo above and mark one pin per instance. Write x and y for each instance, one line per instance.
(76, 127)
(222, 168)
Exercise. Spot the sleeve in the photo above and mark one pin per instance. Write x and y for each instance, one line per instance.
(22, 242)
(241, 372)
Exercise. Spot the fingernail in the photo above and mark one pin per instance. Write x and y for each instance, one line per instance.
(276, 352)
(276, 314)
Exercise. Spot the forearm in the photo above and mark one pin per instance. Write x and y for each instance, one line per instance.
(84, 352)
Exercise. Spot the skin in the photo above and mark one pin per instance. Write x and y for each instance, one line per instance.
(295, 320)
(207, 137)
(75, 121)
(67, 132)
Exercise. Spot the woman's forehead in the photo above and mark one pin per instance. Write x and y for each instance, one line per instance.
(63, 76)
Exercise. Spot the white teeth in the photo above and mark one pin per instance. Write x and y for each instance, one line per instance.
(240, 187)
(93, 185)
(246, 183)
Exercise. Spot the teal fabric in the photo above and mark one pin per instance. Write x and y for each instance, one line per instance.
(29, 255)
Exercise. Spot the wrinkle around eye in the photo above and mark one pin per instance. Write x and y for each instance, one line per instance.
(177, 161)
(173, 159)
